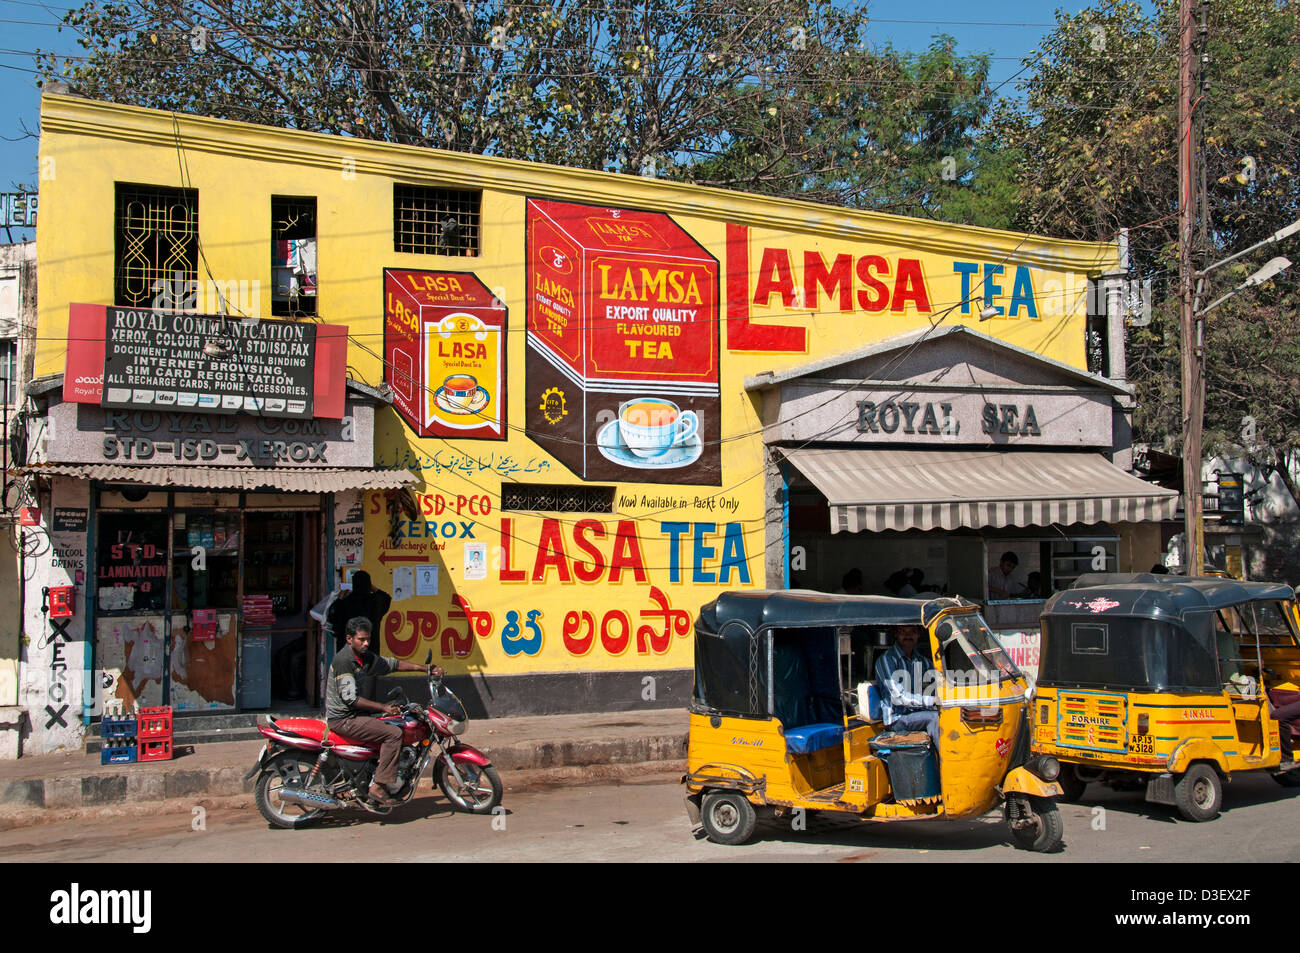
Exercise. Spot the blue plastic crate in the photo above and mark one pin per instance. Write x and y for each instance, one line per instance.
(111, 729)
(116, 755)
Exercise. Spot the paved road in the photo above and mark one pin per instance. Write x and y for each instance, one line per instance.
(645, 821)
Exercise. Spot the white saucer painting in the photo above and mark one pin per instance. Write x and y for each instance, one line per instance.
(461, 405)
(611, 446)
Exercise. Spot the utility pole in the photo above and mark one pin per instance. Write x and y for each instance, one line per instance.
(1193, 377)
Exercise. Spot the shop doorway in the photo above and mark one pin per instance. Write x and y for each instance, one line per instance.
(207, 609)
(282, 570)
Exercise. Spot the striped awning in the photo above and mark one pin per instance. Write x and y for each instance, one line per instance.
(874, 490)
(286, 479)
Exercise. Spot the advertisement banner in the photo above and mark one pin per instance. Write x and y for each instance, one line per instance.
(207, 363)
(622, 344)
(444, 353)
(166, 361)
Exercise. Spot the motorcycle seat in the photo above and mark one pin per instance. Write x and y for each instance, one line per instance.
(312, 728)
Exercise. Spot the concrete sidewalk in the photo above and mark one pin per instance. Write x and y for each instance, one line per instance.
(587, 741)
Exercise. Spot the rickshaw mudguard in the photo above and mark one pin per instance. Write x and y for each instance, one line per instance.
(693, 808)
(1021, 781)
(1196, 749)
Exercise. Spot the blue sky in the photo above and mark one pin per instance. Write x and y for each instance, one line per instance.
(1007, 30)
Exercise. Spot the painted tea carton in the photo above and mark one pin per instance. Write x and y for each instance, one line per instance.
(444, 353)
(622, 344)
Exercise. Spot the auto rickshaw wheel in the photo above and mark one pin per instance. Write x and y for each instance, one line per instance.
(1198, 794)
(1288, 779)
(1072, 786)
(728, 817)
(1044, 831)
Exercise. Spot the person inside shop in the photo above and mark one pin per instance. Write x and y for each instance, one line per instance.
(352, 673)
(896, 582)
(914, 584)
(908, 700)
(365, 600)
(851, 583)
(1002, 584)
(923, 589)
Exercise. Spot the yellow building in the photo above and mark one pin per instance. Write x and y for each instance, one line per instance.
(577, 406)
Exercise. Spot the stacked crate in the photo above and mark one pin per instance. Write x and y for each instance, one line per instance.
(155, 733)
(118, 744)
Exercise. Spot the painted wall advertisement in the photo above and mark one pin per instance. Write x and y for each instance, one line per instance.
(555, 593)
(619, 382)
(444, 353)
(622, 345)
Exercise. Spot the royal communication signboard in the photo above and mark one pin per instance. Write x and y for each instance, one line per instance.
(195, 362)
(148, 359)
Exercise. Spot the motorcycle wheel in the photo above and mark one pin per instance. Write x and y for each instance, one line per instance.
(286, 770)
(482, 789)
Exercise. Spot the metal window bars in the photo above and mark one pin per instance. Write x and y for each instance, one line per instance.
(434, 221)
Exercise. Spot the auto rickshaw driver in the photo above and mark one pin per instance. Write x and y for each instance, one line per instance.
(906, 678)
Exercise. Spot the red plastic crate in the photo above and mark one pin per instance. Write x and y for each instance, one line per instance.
(154, 723)
(155, 749)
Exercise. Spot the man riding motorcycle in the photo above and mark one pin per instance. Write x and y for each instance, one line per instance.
(354, 670)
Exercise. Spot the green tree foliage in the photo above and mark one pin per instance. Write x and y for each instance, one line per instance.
(888, 131)
(780, 96)
(1253, 400)
(1098, 131)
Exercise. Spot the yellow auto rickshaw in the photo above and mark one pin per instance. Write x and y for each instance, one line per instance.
(775, 724)
(1163, 682)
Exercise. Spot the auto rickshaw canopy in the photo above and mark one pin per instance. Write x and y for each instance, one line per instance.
(1157, 635)
(775, 652)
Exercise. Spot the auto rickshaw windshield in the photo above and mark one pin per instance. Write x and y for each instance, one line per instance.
(971, 653)
(1268, 620)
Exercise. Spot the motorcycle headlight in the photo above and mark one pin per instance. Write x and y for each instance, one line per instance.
(458, 726)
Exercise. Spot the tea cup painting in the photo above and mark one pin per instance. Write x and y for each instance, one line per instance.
(651, 426)
(461, 394)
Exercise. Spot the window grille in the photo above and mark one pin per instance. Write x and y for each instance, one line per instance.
(557, 498)
(429, 221)
(157, 244)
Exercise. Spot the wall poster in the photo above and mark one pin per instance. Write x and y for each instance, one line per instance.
(622, 344)
(444, 353)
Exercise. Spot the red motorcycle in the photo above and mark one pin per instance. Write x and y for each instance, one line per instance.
(306, 769)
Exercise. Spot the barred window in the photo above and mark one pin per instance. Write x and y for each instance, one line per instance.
(557, 498)
(157, 244)
(429, 221)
